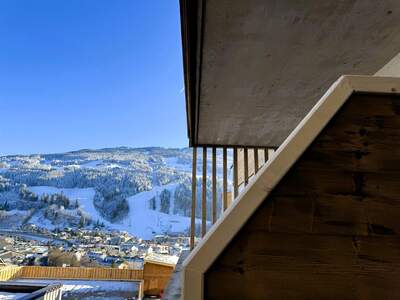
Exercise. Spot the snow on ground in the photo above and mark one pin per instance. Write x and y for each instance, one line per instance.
(112, 166)
(13, 218)
(92, 164)
(14, 212)
(38, 219)
(144, 222)
(84, 285)
(91, 289)
(11, 296)
(83, 195)
(100, 164)
(173, 162)
(42, 239)
(141, 221)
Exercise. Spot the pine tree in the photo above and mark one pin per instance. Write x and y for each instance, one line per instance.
(165, 199)
(153, 203)
(82, 222)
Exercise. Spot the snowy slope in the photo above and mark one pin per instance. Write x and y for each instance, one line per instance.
(141, 221)
(144, 222)
(84, 197)
(115, 177)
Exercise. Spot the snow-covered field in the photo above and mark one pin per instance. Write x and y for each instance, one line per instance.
(144, 222)
(11, 296)
(141, 221)
(14, 212)
(92, 164)
(90, 289)
(173, 162)
(84, 197)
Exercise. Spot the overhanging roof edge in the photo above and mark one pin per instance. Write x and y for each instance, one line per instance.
(191, 28)
(232, 220)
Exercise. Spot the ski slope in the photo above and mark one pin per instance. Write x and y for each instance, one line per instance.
(141, 221)
(145, 222)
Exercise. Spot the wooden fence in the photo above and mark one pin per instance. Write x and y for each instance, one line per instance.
(80, 273)
(152, 280)
(9, 272)
(156, 277)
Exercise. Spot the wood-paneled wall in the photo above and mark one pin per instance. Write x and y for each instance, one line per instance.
(156, 277)
(330, 229)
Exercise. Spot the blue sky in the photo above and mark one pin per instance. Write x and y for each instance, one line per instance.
(90, 74)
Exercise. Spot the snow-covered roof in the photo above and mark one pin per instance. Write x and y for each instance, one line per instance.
(162, 259)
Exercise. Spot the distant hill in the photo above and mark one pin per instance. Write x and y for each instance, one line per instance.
(144, 191)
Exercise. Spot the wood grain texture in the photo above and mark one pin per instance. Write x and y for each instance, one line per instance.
(156, 277)
(331, 228)
(255, 160)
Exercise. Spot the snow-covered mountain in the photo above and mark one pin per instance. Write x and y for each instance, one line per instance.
(144, 191)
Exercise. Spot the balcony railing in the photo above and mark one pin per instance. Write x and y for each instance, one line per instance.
(245, 163)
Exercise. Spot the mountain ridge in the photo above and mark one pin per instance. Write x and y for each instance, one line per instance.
(109, 187)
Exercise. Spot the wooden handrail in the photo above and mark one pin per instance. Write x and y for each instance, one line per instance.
(243, 170)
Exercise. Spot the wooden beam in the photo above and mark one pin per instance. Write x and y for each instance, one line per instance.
(204, 194)
(225, 179)
(235, 173)
(255, 161)
(214, 185)
(246, 166)
(193, 215)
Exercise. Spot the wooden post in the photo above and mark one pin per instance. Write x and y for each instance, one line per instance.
(235, 173)
(255, 161)
(225, 179)
(246, 166)
(214, 185)
(141, 290)
(204, 194)
(265, 155)
(193, 216)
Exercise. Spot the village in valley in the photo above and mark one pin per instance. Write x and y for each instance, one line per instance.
(35, 246)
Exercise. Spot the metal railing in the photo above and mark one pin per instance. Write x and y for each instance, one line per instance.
(245, 163)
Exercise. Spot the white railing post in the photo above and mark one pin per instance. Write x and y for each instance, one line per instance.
(193, 215)
(224, 179)
(235, 173)
(204, 194)
(214, 185)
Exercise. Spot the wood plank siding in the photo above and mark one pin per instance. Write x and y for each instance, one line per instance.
(156, 276)
(331, 228)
